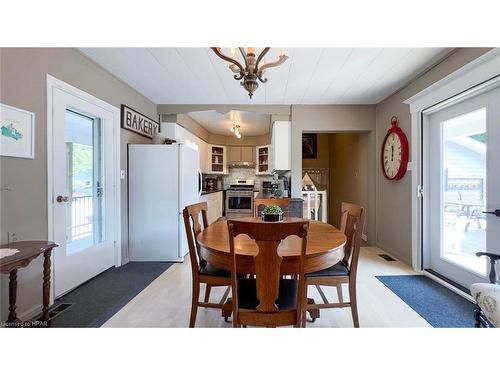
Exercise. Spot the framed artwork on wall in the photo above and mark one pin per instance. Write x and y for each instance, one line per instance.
(309, 146)
(17, 132)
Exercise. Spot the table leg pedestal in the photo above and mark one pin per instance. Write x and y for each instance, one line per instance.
(12, 296)
(46, 285)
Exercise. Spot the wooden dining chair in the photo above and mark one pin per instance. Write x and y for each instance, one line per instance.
(261, 203)
(267, 300)
(202, 271)
(352, 224)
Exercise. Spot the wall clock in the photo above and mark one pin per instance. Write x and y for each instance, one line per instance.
(395, 152)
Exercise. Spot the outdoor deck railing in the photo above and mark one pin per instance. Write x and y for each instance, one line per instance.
(81, 223)
(315, 205)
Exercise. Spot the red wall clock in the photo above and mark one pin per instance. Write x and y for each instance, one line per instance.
(395, 152)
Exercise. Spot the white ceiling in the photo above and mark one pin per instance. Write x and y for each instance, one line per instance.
(309, 76)
(251, 123)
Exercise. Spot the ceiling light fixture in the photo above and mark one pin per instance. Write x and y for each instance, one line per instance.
(236, 130)
(252, 71)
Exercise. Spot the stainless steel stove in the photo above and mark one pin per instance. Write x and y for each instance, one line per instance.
(239, 199)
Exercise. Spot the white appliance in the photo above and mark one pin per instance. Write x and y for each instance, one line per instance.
(162, 180)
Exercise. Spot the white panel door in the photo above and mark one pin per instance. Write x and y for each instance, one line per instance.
(83, 196)
(464, 180)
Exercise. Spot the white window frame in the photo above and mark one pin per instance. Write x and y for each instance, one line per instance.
(480, 75)
(54, 83)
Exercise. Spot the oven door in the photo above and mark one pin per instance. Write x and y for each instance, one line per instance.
(242, 204)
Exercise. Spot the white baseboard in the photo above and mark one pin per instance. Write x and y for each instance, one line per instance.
(30, 313)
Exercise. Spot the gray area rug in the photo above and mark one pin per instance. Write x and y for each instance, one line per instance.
(96, 301)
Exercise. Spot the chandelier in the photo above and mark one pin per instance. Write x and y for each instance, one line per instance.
(252, 70)
(236, 130)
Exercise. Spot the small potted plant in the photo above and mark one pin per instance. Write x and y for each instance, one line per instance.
(272, 213)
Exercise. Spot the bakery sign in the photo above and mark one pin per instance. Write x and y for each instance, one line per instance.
(138, 123)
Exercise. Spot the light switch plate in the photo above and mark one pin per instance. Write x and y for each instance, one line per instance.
(122, 174)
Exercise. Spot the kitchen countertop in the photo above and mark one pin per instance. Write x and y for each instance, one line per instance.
(204, 192)
(268, 196)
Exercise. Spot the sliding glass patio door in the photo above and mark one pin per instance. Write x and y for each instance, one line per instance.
(463, 185)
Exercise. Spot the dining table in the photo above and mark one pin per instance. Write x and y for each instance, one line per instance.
(325, 248)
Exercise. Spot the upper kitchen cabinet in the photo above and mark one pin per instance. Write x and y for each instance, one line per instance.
(248, 154)
(217, 159)
(263, 160)
(233, 154)
(204, 160)
(240, 154)
(281, 146)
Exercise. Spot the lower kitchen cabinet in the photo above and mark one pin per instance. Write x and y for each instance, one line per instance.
(215, 203)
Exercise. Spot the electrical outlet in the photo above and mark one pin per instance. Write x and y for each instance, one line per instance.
(122, 175)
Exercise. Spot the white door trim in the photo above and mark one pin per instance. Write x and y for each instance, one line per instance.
(480, 74)
(54, 83)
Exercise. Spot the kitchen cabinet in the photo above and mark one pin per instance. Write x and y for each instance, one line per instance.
(203, 149)
(233, 154)
(263, 160)
(248, 154)
(281, 146)
(237, 154)
(217, 159)
(214, 205)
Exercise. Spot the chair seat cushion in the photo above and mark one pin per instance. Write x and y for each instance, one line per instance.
(339, 269)
(211, 270)
(287, 300)
(487, 297)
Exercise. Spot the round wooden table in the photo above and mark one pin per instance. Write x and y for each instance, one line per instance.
(325, 247)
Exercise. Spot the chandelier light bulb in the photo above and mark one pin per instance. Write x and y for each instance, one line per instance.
(238, 135)
(232, 129)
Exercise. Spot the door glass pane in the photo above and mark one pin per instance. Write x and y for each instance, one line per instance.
(464, 190)
(84, 212)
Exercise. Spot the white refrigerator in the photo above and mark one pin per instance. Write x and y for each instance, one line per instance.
(162, 180)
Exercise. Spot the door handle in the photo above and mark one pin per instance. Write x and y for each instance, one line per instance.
(496, 212)
(62, 199)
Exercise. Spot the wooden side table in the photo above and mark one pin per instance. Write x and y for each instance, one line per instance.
(28, 250)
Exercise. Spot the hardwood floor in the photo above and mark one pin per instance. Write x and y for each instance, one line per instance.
(166, 301)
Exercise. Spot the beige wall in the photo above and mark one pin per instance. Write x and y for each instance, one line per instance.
(348, 172)
(23, 84)
(323, 159)
(394, 197)
(330, 119)
(228, 140)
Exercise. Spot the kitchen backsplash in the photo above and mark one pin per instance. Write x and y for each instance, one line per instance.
(244, 174)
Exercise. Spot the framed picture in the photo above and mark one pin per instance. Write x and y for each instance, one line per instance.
(17, 132)
(309, 146)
